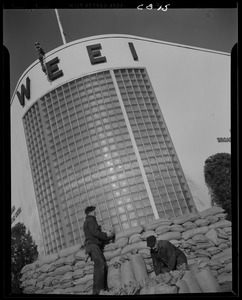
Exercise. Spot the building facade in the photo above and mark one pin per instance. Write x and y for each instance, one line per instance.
(95, 134)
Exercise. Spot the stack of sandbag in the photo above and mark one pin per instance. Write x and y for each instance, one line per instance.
(208, 239)
(65, 272)
(204, 237)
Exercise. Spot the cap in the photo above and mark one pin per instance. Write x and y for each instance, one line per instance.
(89, 209)
(151, 241)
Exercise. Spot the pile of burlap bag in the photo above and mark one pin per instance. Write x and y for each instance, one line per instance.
(204, 237)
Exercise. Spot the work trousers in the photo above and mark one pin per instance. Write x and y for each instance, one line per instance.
(100, 268)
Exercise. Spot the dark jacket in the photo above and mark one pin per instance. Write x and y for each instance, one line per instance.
(167, 257)
(93, 232)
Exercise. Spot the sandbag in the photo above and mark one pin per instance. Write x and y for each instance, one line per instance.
(211, 211)
(126, 273)
(175, 243)
(128, 232)
(110, 247)
(148, 290)
(213, 250)
(165, 289)
(44, 268)
(44, 275)
(70, 260)
(191, 232)
(88, 269)
(222, 234)
(226, 258)
(145, 253)
(214, 263)
(59, 262)
(201, 252)
(55, 291)
(114, 260)
(66, 278)
(113, 277)
(212, 219)
(56, 280)
(225, 251)
(78, 288)
(205, 245)
(198, 261)
(207, 281)
(182, 286)
(80, 264)
(80, 255)
(107, 227)
(226, 287)
(121, 242)
(221, 216)
(68, 251)
(27, 275)
(48, 259)
(62, 270)
(48, 281)
(162, 229)
(176, 227)
(29, 267)
(191, 282)
(139, 268)
(226, 269)
(145, 234)
(31, 282)
(78, 274)
(224, 278)
(202, 222)
(171, 235)
(137, 246)
(189, 225)
(220, 224)
(227, 230)
(39, 285)
(212, 236)
(83, 280)
(189, 241)
(185, 218)
(199, 238)
(89, 286)
(134, 238)
(223, 244)
(215, 273)
(110, 254)
(155, 223)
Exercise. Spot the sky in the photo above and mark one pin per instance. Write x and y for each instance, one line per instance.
(214, 29)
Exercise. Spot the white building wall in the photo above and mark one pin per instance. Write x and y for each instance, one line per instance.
(192, 86)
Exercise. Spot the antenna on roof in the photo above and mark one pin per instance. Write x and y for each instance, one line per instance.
(60, 27)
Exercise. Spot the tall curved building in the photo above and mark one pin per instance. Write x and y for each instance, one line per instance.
(94, 134)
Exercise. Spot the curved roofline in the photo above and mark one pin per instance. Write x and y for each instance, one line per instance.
(106, 36)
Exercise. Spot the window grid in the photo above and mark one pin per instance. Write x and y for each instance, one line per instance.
(153, 131)
(49, 111)
(93, 158)
(34, 136)
(54, 233)
(138, 123)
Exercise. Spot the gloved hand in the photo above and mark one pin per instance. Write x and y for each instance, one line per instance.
(110, 233)
(86, 257)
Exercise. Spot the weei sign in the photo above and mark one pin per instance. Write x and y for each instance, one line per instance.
(53, 72)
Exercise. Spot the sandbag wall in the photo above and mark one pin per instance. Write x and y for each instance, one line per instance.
(205, 238)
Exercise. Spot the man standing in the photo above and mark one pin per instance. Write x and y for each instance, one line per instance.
(93, 242)
(166, 257)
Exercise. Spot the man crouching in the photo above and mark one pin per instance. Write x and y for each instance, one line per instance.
(166, 257)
